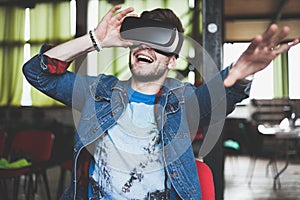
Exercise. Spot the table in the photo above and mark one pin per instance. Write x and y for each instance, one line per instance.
(288, 135)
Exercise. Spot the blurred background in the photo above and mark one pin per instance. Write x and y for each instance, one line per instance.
(260, 136)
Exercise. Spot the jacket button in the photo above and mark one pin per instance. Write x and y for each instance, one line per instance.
(98, 98)
(95, 130)
(171, 108)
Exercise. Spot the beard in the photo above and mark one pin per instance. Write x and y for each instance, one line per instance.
(154, 75)
(149, 76)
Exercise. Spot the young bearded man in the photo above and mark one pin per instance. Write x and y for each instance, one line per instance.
(139, 129)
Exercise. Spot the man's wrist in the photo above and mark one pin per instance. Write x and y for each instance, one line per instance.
(245, 81)
(95, 41)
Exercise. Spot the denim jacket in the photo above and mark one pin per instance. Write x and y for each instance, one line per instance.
(101, 101)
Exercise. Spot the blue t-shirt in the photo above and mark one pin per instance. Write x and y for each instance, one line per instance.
(128, 161)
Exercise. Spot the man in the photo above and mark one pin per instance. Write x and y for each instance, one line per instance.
(138, 129)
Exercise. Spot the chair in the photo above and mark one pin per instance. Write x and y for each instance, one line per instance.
(82, 171)
(257, 148)
(270, 112)
(206, 180)
(35, 145)
(65, 166)
(3, 136)
(251, 143)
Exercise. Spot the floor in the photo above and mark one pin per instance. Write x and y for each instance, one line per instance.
(261, 188)
(236, 187)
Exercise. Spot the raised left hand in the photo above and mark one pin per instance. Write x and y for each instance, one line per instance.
(261, 51)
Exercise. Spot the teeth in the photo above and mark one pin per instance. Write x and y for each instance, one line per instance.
(144, 58)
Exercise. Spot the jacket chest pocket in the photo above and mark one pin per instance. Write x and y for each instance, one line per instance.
(92, 108)
(91, 127)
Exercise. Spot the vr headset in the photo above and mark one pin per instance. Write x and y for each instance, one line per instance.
(162, 37)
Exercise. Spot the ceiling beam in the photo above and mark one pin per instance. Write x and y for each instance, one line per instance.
(245, 30)
(261, 17)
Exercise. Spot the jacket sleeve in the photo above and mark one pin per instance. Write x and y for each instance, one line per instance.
(51, 77)
(216, 101)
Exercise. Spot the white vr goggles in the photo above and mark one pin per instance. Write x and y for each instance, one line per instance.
(160, 36)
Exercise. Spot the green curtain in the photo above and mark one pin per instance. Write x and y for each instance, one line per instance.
(11, 55)
(49, 23)
(281, 79)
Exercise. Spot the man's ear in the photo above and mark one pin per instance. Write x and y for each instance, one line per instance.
(172, 63)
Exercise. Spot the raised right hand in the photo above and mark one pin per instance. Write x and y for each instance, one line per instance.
(108, 29)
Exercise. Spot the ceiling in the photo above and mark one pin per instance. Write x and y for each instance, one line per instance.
(243, 19)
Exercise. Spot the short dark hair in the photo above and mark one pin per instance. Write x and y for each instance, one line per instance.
(167, 16)
(164, 15)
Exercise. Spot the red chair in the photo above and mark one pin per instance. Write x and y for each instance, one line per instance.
(36, 145)
(206, 181)
(3, 136)
(82, 171)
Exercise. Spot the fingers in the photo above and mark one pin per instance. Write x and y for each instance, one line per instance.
(132, 15)
(123, 13)
(127, 44)
(119, 16)
(110, 13)
(264, 39)
(255, 43)
(269, 39)
(278, 38)
(285, 47)
(293, 43)
(269, 33)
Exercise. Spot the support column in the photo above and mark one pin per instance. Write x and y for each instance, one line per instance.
(81, 26)
(212, 43)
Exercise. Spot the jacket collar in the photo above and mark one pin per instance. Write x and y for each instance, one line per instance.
(104, 86)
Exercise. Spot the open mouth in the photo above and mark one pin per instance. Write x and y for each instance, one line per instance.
(144, 58)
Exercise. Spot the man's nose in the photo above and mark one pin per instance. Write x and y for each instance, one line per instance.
(140, 47)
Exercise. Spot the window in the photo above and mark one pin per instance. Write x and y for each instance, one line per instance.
(262, 86)
(294, 72)
(26, 92)
(50, 26)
